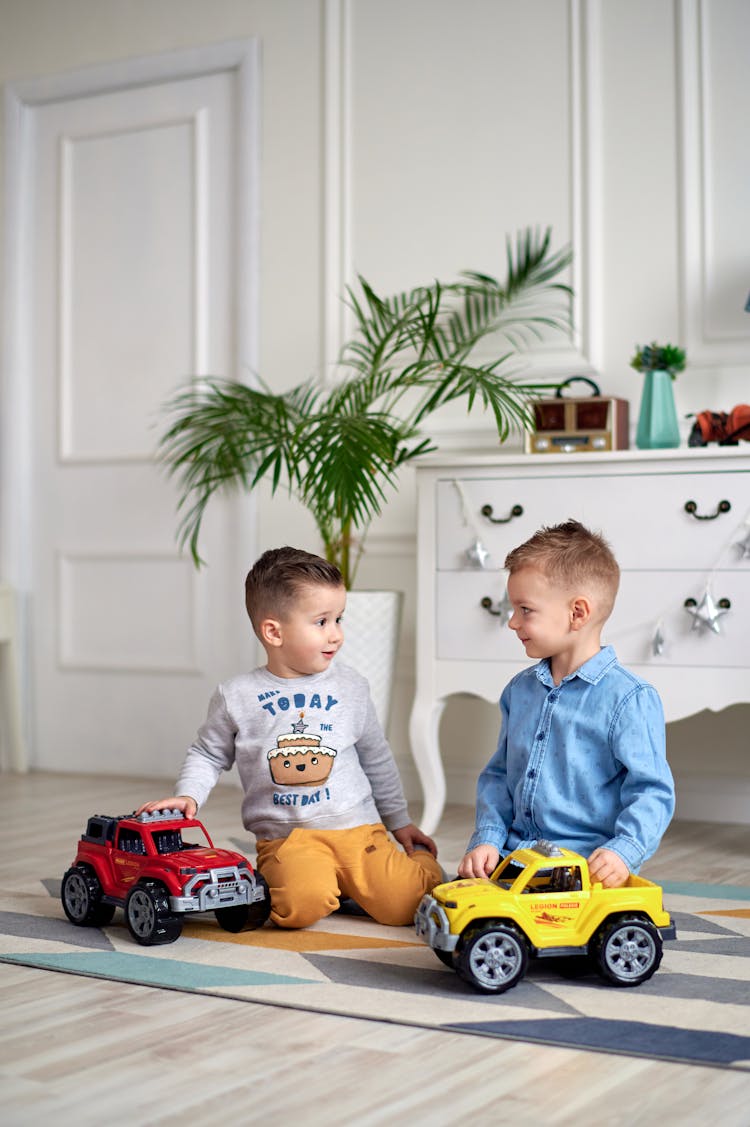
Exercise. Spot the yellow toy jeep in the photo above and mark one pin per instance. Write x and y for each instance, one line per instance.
(540, 902)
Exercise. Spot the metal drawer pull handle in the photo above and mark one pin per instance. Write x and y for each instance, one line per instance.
(516, 511)
(692, 508)
(504, 607)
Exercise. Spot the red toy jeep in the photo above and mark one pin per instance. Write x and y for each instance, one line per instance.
(141, 863)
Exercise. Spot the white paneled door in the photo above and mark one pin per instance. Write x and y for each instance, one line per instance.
(132, 237)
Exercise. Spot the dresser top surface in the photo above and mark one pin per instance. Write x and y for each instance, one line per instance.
(681, 459)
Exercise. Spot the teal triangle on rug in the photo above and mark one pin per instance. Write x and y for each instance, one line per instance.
(149, 971)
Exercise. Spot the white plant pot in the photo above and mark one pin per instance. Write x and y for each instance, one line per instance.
(372, 623)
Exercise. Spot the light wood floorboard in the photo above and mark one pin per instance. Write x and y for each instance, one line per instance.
(82, 1051)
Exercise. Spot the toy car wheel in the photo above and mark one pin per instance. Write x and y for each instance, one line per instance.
(628, 951)
(446, 958)
(261, 909)
(493, 958)
(233, 919)
(148, 916)
(81, 899)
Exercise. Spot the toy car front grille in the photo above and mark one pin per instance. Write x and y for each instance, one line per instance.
(218, 888)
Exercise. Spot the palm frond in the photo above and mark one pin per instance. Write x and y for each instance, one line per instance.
(227, 435)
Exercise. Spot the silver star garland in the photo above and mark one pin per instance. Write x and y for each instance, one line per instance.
(706, 613)
(477, 554)
(743, 546)
(504, 609)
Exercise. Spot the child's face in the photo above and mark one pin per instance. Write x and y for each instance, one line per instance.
(542, 613)
(310, 635)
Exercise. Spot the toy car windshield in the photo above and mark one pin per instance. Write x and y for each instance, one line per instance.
(508, 872)
(170, 841)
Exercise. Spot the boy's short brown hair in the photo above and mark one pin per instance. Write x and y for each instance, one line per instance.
(275, 580)
(572, 556)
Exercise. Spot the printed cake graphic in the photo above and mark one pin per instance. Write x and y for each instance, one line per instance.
(299, 760)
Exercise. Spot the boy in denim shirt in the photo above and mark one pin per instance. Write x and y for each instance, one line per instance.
(581, 757)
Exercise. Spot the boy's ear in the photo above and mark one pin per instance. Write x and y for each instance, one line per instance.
(580, 612)
(270, 632)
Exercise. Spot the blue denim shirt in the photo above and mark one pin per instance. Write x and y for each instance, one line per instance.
(582, 763)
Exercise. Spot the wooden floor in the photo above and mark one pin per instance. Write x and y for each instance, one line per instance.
(81, 1052)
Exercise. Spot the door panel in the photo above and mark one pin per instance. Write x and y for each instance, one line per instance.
(132, 229)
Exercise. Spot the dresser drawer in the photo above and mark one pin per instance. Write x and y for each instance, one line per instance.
(642, 516)
(465, 631)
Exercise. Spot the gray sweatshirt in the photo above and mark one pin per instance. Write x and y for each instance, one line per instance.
(309, 751)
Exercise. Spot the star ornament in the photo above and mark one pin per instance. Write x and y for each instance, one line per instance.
(477, 554)
(505, 609)
(707, 612)
(743, 546)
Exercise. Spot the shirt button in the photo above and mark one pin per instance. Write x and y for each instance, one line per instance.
(532, 774)
(528, 813)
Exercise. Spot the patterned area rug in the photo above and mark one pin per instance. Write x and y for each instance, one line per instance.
(696, 1009)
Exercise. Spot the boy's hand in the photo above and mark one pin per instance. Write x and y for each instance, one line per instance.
(183, 802)
(608, 868)
(410, 836)
(479, 862)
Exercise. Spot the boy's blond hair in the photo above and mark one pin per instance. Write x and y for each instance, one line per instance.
(275, 580)
(571, 556)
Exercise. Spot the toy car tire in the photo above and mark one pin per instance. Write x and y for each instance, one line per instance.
(493, 957)
(446, 958)
(628, 950)
(81, 893)
(233, 919)
(261, 909)
(148, 917)
(246, 915)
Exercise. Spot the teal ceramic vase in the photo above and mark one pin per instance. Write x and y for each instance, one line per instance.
(657, 421)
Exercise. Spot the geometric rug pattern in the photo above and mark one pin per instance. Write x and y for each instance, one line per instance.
(696, 1008)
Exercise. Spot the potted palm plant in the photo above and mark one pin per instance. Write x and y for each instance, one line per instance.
(339, 446)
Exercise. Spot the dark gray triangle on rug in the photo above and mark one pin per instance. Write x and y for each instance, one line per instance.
(633, 1038)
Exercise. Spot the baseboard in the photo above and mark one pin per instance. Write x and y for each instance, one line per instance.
(461, 786)
(700, 797)
(712, 798)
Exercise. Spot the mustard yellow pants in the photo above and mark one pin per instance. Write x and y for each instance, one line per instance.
(311, 870)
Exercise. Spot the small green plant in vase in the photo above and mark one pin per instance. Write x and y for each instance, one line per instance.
(657, 420)
(659, 358)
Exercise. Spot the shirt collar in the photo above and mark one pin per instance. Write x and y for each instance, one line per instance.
(592, 670)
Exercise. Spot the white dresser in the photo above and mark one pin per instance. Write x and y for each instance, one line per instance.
(679, 523)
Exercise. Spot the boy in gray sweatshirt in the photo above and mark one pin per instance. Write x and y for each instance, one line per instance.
(321, 785)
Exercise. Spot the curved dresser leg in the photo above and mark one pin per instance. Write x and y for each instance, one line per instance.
(424, 726)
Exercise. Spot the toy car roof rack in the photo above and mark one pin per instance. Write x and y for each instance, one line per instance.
(547, 848)
(158, 816)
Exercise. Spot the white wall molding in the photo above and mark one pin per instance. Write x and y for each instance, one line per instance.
(336, 193)
(587, 187)
(584, 352)
(700, 157)
(88, 620)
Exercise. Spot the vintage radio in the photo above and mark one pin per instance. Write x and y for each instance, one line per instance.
(568, 425)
